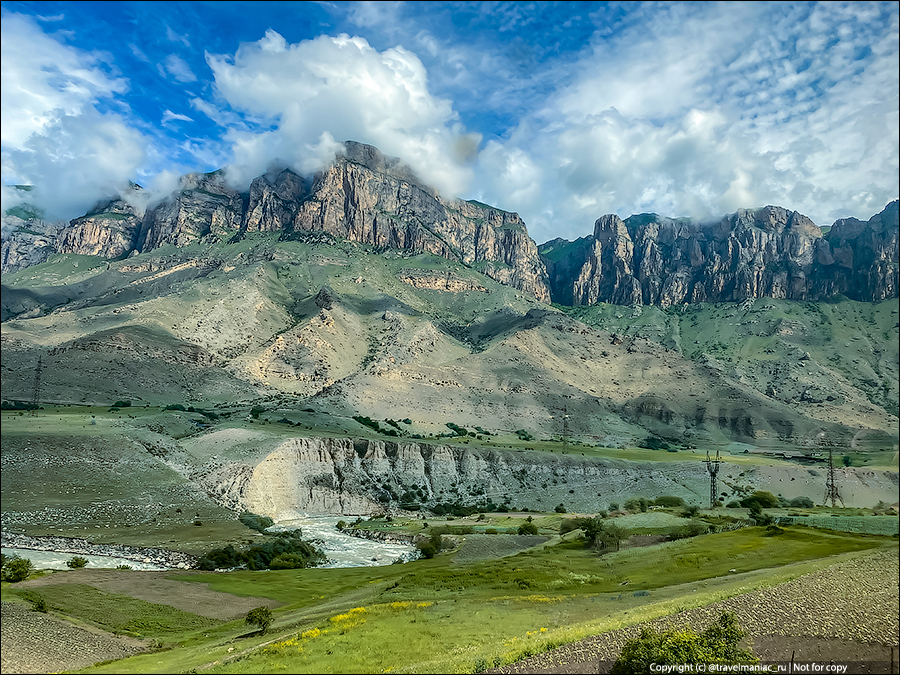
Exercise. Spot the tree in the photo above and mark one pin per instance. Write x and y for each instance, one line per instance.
(528, 528)
(17, 569)
(717, 644)
(560, 508)
(261, 616)
(76, 562)
(602, 533)
(765, 500)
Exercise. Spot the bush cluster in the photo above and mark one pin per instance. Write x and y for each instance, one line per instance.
(285, 551)
(15, 569)
(255, 522)
(717, 644)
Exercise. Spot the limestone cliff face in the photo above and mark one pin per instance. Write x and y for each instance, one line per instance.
(203, 206)
(367, 197)
(362, 196)
(768, 252)
(30, 241)
(110, 231)
(353, 477)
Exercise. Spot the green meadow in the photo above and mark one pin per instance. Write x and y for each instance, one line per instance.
(441, 615)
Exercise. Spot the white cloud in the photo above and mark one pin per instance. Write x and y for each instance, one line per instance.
(342, 87)
(77, 161)
(168, 116)
(172, 36)
(178, 68)
(704, 108)
(53, 136)
(42, 78)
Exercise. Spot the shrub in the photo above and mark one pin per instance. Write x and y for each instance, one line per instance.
(613, 506)
(653, 443)
(123, 567)
(175, 406)
(255, 522)
(690, 511)
(717, 644)
(694, 528)
(261, 616)
(122, 404)
(802, 503)
(287, 545)
(76, 562)
(17, 569)
(527, 528)
(341, 524)
(38, 601)
(524, 435)
(765, 500)
(560, 508)
(669, 501)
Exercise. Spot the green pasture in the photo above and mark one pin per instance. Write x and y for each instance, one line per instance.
(121, 613)
(440, 616)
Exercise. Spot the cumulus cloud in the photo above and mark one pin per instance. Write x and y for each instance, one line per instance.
(54, 138)
(339, 88)
(698, 110)
(42, 78)
(77, 160)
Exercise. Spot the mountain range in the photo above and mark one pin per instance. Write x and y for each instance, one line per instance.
(360, 303)
(366, 197)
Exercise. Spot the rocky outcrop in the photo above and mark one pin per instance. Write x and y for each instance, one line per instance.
(367, 197)
(204, 206)
(27, 240)
(439, 282)
(110, 231)
(354, 477)
(768, 252)
(362, 196)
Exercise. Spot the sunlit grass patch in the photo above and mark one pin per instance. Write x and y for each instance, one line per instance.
(121, 613)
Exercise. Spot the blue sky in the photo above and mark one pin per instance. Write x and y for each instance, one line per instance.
(562, 112)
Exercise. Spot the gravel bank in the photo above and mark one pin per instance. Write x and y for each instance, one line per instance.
(157, 556)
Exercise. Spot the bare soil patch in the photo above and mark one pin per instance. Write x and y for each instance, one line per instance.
(187, 596)
(40, 643)
(488, 546)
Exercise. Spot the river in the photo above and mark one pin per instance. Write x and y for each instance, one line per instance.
(342, 549)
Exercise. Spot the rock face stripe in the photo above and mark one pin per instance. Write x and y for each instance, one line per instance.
(352, 476)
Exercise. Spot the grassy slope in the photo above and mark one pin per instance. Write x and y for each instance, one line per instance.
(437, 616)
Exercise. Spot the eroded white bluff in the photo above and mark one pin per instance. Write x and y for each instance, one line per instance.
(355, 477)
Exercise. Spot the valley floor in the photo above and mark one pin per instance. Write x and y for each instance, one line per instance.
(846, 612)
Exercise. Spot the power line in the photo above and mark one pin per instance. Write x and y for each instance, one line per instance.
(712, 466)
(831, 491)
(36, 391)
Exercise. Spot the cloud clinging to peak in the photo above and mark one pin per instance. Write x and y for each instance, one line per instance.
(342, 88)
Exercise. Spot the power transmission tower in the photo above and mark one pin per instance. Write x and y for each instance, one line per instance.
(712, 466)
(565, 428)
(36, 391)
(831, 491)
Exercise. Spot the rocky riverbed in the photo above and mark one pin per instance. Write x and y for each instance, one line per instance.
(155, 556)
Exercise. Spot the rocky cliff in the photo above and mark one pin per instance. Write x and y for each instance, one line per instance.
(362, 196)
(353, 476)
(768, 252)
